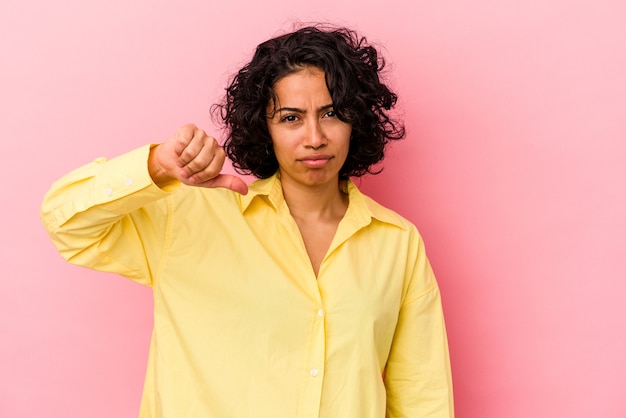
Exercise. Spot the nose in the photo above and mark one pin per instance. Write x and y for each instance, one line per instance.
(315, 137)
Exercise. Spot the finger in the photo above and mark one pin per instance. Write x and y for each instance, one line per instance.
(192, 150)
(227, 181)
(206, 165)
(182, 138)
(209, 159)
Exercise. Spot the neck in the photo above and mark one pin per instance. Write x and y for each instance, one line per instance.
(319, 202)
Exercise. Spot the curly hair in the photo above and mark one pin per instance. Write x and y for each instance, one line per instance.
(351, 67)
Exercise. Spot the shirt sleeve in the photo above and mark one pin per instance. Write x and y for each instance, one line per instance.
(110, 216)
(417, 375)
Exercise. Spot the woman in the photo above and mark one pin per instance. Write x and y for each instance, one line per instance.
(296, 296)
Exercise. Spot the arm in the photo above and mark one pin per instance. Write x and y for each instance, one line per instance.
(99, 215)
(417, 376)
(111, 215)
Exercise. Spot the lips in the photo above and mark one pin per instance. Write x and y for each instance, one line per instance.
(316, 160)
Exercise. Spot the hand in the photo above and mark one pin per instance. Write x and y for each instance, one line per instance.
(193, 158)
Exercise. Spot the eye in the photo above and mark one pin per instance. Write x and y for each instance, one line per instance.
(330, 114)
(289, 118)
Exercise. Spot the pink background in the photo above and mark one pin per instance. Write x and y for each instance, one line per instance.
(513, 170)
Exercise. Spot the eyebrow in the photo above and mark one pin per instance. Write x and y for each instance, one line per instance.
(298, 110)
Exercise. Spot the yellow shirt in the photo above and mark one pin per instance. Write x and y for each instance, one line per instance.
(242, 326)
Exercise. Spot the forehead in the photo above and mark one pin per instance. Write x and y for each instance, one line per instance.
(308, 83)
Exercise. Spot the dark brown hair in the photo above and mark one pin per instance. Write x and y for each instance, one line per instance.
(352, 69)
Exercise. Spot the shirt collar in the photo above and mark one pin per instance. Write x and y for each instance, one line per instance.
(269, 188)
(361, 206)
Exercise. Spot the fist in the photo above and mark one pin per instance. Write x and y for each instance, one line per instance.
(193, 158)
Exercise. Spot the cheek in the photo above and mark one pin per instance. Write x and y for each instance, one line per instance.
(286, 140)
(344, 131)
(282, 148)
(346, 136)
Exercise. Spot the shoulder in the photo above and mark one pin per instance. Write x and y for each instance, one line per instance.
(378, 212)
(387, 215)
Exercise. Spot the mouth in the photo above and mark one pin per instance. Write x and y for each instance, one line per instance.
(315, 161)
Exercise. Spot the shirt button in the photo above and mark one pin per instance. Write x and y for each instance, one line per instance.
(314, 372)
(128, 181)
(320, 312)
(108, 191)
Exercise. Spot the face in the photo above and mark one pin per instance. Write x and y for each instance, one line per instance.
(310, 142)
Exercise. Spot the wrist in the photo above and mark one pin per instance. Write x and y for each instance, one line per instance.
(157, 172)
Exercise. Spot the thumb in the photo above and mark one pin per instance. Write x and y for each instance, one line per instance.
(227, 181)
